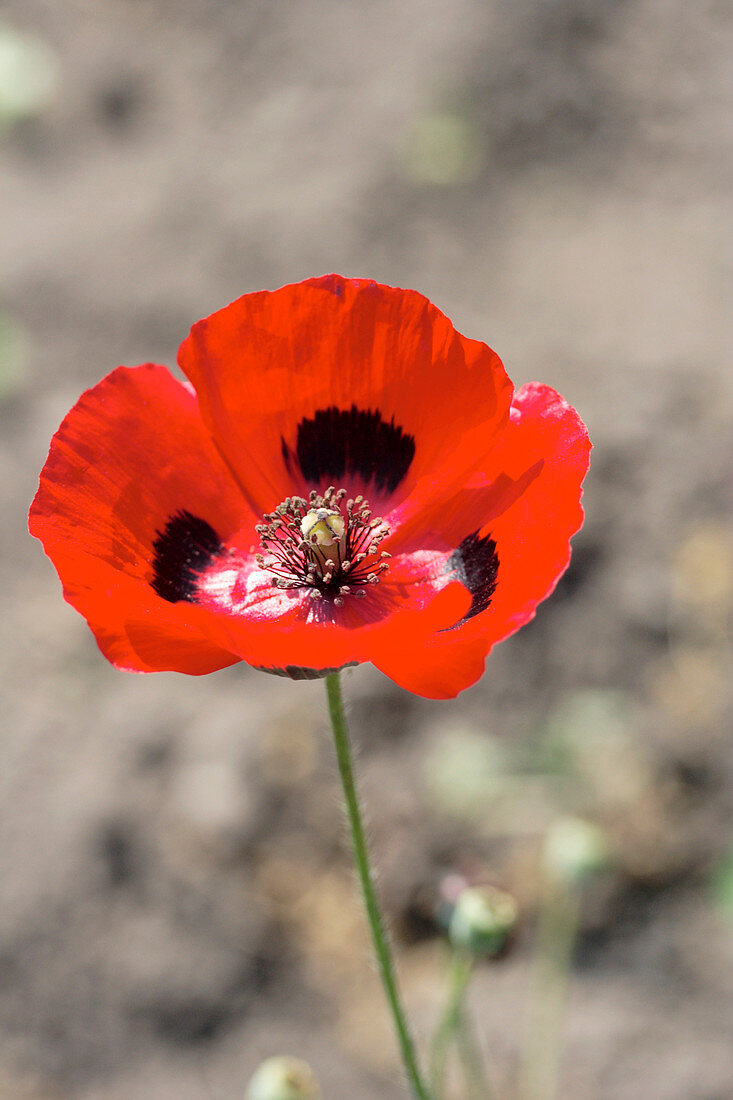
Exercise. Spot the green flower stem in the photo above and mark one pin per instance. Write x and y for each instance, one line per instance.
(556, 935)
(479, 1086)
(460, 968)
(455, 1027)
(361, 858)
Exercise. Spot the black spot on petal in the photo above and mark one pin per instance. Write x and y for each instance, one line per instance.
(185, 547)
(476, 564)
(338, 442)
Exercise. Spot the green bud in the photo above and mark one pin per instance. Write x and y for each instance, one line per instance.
(283, 1078)
(482, 921)
(574, 850)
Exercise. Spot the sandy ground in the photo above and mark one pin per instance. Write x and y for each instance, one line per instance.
(175, 894)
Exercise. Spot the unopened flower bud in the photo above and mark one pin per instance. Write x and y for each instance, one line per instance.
(574, 850)
(482, 921)
(283, 1078)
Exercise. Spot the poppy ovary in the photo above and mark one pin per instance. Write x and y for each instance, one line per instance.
(324, 529)
(313, 544)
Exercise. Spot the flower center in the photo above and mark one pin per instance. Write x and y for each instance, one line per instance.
(324, 545)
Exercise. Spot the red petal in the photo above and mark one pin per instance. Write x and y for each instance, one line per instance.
(271, 628)
(132, 453)
(269, 360)
(529, 503)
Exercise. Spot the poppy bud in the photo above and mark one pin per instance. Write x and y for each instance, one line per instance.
(482, 921)
(574, 850)
(283, 1078)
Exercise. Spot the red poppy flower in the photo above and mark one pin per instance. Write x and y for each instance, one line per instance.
(346, 478)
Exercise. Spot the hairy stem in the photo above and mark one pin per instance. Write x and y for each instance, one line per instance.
(366, 880)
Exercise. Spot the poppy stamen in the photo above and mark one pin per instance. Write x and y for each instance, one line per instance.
(319, 545)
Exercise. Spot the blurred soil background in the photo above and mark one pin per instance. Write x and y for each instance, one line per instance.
(176, 901)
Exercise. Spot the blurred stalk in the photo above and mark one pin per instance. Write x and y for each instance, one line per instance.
(460, 968)
(454, 1028)
(556, 936)
(366, 880)
(574, 849)
(469, 1054)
